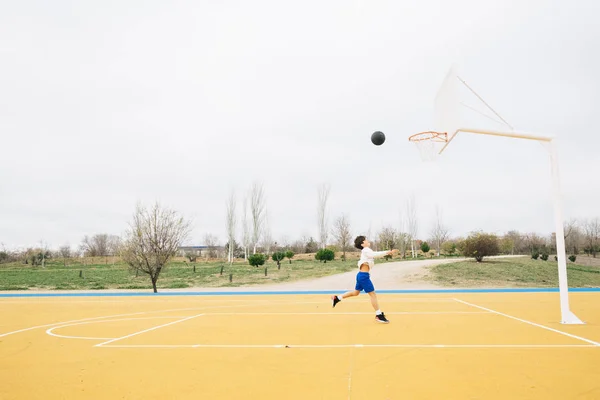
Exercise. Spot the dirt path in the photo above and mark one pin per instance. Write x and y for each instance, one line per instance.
(394, 275)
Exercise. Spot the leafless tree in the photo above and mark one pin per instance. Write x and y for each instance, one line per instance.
(341, 233)
(322, 197)
(114, 242)
(403, 236)
(231, 225)
(96, 246)
(591, 231)
(153, 237)
(245, 229)
(266, 235)
(573, 236)
(413, 225)
(439, 232)
(65, 252)
(257, 211)
(210, 241)
(513, 242)
(535, 242)
(388, 238)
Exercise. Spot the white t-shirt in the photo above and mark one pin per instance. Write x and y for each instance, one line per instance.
(368, 256)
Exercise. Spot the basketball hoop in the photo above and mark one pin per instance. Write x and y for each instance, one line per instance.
(429, 143)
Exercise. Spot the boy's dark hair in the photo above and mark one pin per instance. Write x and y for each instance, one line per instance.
(358, 242)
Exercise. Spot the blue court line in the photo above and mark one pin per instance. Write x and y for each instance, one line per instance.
(250, 293)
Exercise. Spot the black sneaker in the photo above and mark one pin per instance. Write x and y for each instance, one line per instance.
(334, 300)
(381, 318)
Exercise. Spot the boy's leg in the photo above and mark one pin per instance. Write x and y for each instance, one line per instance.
(379, 315)
(338, 298)
(374, 301)
(350, 293)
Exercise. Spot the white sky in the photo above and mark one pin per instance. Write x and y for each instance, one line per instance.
(107, 103)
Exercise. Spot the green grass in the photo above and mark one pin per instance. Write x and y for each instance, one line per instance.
(176, 275)
(512, 272)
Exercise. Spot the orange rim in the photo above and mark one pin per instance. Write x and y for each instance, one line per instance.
(429, 135)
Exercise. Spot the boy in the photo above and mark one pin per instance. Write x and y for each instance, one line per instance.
(363, 279)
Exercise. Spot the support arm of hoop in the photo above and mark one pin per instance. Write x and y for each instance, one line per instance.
(511, 134)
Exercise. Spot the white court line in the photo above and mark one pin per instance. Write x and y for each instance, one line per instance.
(345, 346)
(530, 323)
(148, 330)
(348, 313)
(125, 315)
(51, 333)
(46, 300)
(91, 319)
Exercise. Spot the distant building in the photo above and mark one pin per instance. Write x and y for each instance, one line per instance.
(199, 251)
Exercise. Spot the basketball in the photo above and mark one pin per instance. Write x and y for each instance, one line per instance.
(377, 138)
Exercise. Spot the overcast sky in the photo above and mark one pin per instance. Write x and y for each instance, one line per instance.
(104, 104)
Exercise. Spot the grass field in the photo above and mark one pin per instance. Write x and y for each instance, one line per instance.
(179, 274)
(515, 272)
(101, 274)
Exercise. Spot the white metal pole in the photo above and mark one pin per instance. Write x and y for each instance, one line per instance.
(567, 316)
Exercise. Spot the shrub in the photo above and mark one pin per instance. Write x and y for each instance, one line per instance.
(277, 257)
(573, 258)
(544, 257)
(325, 255)
(425, 248)
(289, 255)
(257, 259)
(535, 255)
(449, 248)
(479, 245)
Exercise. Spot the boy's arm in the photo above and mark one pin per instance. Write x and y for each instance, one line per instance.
(379, 253)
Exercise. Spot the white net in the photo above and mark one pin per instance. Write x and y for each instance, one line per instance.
(429, 144)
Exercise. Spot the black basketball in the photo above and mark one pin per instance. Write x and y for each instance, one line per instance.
(377, 138)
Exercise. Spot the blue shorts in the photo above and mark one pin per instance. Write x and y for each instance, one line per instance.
(363, 282)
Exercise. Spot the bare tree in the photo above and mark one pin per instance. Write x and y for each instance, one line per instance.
(245, 230)
(96, 246)
(323, 196)
(267, 237)
(413, 225)
(341, 233)
(210, 241)
(513, 242)
(535, 242)
(591, 230)
(388, 238)
(65, 252)
(231, 225)
(257, 211)
(573, 236)
(152, 239)
(439, 233)
(403, 237)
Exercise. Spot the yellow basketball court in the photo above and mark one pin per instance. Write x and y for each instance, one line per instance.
(437, 346)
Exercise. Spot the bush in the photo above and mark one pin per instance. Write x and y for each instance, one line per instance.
(425, 248)
(555, 258)
(535, 255)
(449, 248)
(191, 256)
(544, 257)
(479, 245)
(573, 258)
(257, 259)
(277, 257)
(325, 255)
(289, 255)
